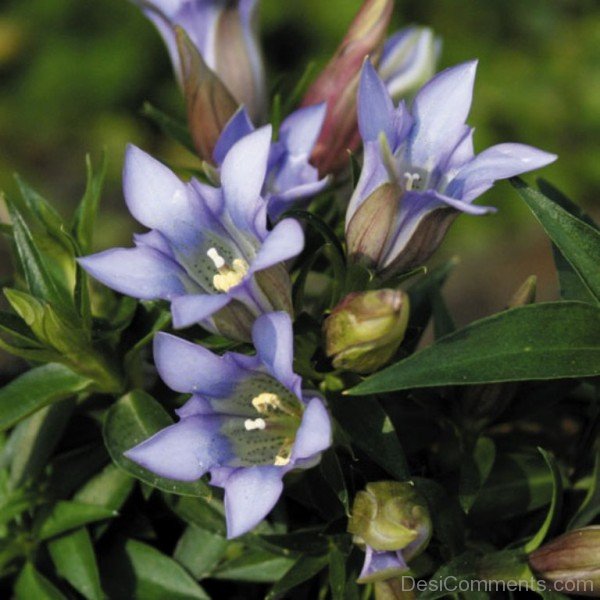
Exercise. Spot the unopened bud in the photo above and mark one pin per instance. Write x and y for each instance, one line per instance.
(391, 521)
(337, 85)
(368, 229)
(365, 329)
(210, 105)
(570, 562)
(408, 61)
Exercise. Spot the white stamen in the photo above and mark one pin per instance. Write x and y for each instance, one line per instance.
(411, 179)
(217, 259)
(252, 424)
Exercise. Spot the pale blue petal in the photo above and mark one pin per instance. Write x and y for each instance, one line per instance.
(314, 433)
(375, 107)
(498, 162)
(156, 197)
(190, 309)
(250, 495)
(285, 241)
(189, 368)
(379, 563)
(184, 451)
(440, 110)
(239, 126)
(243, 175)
(141, 272)
(273, 339)
(301, 129)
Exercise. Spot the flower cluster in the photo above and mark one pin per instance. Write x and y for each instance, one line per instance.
(220, 247)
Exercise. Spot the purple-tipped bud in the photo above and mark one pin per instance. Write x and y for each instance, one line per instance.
(365, 329)
(210, 105)
(392, 522)
(570, 563)
(338, 83)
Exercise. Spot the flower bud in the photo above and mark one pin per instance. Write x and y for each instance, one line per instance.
(338, 83)
(225, 35)
(209, 103)
(365, 329)
(391, 521)
(571, 562)
(370, 226)
(408, 61)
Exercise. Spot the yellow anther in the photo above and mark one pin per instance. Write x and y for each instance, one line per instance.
(266, 402)
(284, 456)
(227, 276)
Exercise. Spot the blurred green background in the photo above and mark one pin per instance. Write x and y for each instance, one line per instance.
(74, 75)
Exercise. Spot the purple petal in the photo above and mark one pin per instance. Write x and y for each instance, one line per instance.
(155, 196)
(184, 451)
(190, 309)
(497, 162)
(285, 241)
(273, 339)
(141, 272)
(375, 107)
(302, 128)
(378, 563)
(441, 108)
(195, 406)
(250, 495)
(187, 367)
(243, 175)
(239, 126)
(314, 434)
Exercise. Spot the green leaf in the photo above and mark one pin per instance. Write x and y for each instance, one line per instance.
(35, 389)
(302, 570)
(136, 570)
(133, 419)
(109, 488)
(65, 515)
(33, 440)
(200, 551)
(333, 475)
(38, 277)
(371, 430)
(554, 340)
(33, 585)
(74, 559)
(571, 286)
(337, 573)
(254, 565)
(590, 507)
(578, 242)
(475, 469)
(518, 484)
(170, 126)
(536, 541)
(85, 215)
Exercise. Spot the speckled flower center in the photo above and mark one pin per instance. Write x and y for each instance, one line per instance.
(227, 276)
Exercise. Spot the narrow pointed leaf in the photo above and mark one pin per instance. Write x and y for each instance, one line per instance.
(66, 515)
(590, 507)
(578, 242)
(555, 340)
(32, 584)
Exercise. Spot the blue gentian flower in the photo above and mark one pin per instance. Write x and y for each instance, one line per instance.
(224, 32)
(379, 566)
(248, 422)
(420, 170)
(290, 176)
(209, 251)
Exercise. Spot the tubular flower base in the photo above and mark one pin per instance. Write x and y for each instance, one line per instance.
(426, 152)
(248, 422)
(209, 251)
